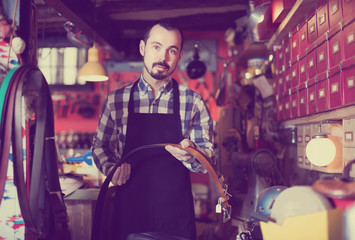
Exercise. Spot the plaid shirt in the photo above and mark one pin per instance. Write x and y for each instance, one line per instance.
(109, 140)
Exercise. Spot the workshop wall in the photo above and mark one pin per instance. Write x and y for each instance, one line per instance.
(79, 111)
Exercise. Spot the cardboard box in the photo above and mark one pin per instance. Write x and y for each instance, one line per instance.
(324, 225)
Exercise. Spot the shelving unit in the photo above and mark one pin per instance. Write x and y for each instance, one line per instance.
(340, 113)
(297, 13)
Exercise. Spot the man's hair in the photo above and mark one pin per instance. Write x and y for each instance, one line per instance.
(168, 25)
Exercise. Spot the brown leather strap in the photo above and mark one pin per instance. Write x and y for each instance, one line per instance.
(206, 162)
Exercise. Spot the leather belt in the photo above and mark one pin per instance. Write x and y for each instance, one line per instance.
(7, 102)
(222, 188)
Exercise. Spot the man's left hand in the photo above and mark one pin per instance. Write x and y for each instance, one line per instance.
(180, 154)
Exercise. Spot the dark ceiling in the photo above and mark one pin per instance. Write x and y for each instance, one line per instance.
(114, 22)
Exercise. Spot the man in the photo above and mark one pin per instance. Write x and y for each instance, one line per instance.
(154, 188)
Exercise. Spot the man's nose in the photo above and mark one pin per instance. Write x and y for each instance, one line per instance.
(163, 55)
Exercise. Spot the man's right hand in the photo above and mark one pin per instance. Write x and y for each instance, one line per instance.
(122, 174)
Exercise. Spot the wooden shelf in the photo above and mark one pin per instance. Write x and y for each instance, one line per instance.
(296, 15)
(337, 114)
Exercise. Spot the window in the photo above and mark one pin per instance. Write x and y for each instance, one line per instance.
(60, 66)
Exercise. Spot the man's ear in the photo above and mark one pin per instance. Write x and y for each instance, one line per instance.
(141, 47)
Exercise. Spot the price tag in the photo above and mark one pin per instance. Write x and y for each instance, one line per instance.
(218, 208)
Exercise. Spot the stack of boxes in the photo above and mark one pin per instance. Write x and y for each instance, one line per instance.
(315, 65)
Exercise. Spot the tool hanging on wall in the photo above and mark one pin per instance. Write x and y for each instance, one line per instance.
(196, 68)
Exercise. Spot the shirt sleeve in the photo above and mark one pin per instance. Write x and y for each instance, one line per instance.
(104, 149)
(200, 131)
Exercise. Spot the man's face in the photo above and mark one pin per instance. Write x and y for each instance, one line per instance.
(161, 53)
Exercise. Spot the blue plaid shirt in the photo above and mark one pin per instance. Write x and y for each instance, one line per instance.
(196, 121)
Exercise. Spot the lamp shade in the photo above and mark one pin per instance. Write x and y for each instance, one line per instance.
(93, 71)
(320, 151)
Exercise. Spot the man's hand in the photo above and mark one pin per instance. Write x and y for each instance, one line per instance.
(180, 154)
(122, 174)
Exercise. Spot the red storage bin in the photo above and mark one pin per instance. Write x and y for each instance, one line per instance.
(348, 81)
(322, 20)
(280, 109)
(322, 92)
(274, 85)
(312, 29)
(287, 51)
(302, 100)
(287, 79)
(322, 57)
(279, 60)
(294, 103)
(311, 97)
(303, 76)
(294, 75)
(295, 51)
(335, 49)
(280, 84)
(335, 13)
(311, 63)
(335, 88)
(348, 10)
(349, 40)
(303, 40)
(287, 107)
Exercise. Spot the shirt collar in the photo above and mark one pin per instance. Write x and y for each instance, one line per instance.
(143, 86)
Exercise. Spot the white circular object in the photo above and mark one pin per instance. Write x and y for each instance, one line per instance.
(18, 45)
(296, 201)
(320, 151)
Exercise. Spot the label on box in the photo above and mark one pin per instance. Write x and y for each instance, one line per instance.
(294, 103)
(321, 56)
(348, 136)
(335, 47)
(303, 69)
(350, 38)
(311, 96)
(321, 93)
(311, 63)
(350, 82)
(302, 100)
(334, 88)
(322, 19)
(334, 8)
(312, 28)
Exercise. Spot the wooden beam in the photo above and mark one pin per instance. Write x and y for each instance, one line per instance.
(84, 15)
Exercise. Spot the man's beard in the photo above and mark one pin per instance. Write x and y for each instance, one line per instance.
(159, 75)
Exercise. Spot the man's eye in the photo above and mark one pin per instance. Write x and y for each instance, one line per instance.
(156, 47)
(172, 51)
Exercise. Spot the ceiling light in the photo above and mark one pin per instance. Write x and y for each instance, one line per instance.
(93, 71)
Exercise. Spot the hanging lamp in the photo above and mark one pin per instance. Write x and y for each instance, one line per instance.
(93, 71)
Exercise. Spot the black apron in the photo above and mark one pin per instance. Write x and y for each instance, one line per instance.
(158, 196)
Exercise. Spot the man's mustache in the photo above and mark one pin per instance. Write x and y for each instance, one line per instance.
(164, 64)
